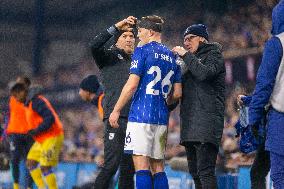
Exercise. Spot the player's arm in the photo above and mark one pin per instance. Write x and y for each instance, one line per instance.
(177, 84)
(177, 92)
(136, 71)
(265, 80)
(173, 99)
(126, 94)
(41, 108)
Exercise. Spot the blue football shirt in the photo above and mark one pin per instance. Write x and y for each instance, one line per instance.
(156, 66)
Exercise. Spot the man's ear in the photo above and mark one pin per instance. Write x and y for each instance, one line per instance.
(151, 33)
(202, 39)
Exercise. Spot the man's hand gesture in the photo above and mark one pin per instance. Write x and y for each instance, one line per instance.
(179, 50)
(126, 24)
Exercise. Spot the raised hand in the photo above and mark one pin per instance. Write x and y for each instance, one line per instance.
(126, 24)
(179, 50)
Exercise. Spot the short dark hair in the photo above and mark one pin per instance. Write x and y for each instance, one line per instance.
(152, 22)
(90, 84)
(25, 80)
(17, 88)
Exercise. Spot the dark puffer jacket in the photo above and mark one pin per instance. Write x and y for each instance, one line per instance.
(202, 106)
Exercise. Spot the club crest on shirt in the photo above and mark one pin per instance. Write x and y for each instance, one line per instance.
(111, 136)
(119, 56)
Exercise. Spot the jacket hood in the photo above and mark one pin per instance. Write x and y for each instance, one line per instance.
(278, 18)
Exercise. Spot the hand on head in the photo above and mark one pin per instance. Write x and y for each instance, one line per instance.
(126, 24)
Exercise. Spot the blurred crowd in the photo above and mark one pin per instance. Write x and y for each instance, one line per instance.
(247, 27)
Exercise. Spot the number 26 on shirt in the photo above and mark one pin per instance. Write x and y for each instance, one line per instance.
(165, 82)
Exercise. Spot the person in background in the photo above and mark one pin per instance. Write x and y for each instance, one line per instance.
(47, 131)
(16, 130)
(91, 91)
(270, 89)
(261, 163)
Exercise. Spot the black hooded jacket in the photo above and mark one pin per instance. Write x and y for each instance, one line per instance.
(202, 105)
(114, 65)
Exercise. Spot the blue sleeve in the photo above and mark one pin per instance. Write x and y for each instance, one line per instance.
(41, 108)
(177, 78)
(137, 64)
(246, 100)
(265, 80)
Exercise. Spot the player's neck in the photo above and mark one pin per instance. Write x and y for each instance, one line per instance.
(156, 39)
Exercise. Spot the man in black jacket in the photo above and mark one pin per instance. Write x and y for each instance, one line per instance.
(202, 105)
(114, 64)
(91, 91)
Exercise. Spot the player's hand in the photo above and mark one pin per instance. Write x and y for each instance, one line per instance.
(179, 50)
(126, 24)
(113, 119)
(239, 100)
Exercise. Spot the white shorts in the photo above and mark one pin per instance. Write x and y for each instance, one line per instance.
(146, 139)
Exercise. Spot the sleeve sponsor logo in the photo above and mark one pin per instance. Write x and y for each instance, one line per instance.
(134, 64)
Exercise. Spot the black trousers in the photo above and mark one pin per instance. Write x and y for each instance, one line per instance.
(201, 159)
(260, 168)
(20, 145)
(115, 158)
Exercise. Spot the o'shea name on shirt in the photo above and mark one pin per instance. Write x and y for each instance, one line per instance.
(164, 57)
